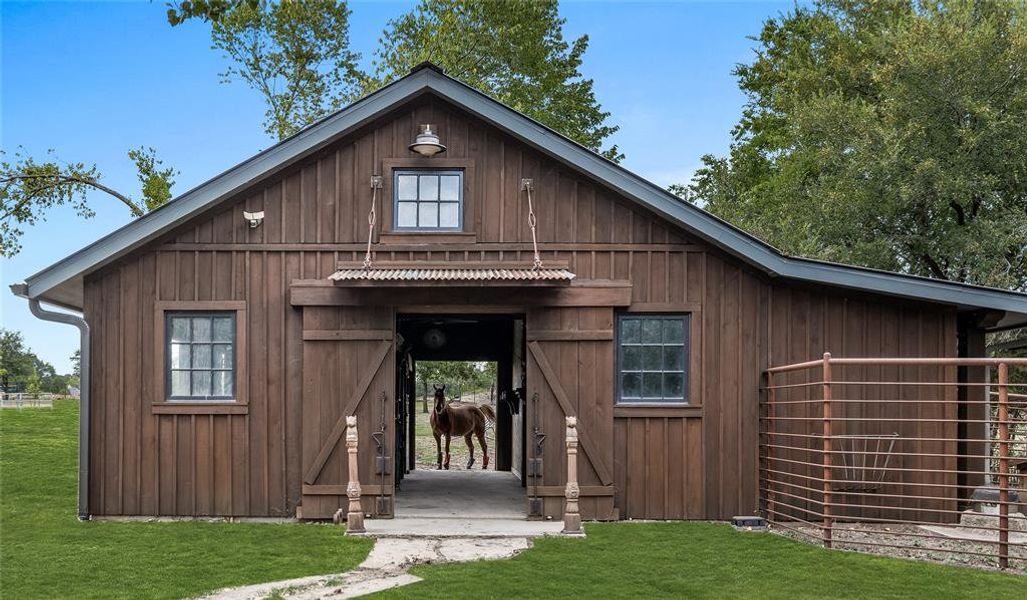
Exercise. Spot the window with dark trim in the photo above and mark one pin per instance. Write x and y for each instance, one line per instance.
(200, 355)
(652, 358)
(428, 200)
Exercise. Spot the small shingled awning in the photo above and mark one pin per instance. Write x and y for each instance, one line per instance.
(452, 275)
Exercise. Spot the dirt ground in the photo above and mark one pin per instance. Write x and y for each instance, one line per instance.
(912, 545)
(425, 443)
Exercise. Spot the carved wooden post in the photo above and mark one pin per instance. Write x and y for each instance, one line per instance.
(571, 514)
(828, 521)
(355, 514)
(1003, 466)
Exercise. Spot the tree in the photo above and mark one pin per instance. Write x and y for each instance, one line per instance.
(885, 134)
(513, 51)
(29, 189)
(76, 364)
(15, 362)
(206, 10)
(295, 54)
(462, 375)
(21, 368)
(33, 385)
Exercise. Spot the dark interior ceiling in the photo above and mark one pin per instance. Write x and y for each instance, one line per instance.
(457, 337)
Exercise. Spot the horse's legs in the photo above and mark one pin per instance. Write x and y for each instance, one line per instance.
(480, 432)
(447, 452)
(438, 446)
(470, 446)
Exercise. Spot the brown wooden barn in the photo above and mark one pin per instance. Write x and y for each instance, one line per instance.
(232, 331)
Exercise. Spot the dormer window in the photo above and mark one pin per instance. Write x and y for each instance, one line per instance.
(428, 200)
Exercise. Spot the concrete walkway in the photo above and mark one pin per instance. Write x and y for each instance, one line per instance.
(436, 528)
(384, 568)
(464, 494)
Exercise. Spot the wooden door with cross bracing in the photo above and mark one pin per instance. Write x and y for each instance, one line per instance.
(348, 369)
(570, 372)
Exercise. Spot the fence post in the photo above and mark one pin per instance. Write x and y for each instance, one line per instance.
(1003, 465)
(571, 514)
(828, 521)
(354, 514)
(768, 428)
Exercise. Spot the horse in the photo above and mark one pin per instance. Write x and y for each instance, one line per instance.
(465, 420)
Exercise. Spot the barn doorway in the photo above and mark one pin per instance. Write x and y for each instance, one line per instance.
(480, 360)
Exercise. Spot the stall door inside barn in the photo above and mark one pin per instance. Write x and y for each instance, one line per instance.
(348, 369)
(570, 373)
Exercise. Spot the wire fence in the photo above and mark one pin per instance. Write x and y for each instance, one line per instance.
(923, 458)
(20, 400)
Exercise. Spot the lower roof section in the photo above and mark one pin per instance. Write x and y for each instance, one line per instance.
(435, 274)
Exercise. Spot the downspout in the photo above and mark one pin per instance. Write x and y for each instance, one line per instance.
(21, 290)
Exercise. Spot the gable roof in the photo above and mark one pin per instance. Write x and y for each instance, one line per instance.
(62, 282)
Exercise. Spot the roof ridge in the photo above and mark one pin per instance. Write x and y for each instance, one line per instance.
(427, 64)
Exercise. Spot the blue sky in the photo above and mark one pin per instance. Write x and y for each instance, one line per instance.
(94, 79)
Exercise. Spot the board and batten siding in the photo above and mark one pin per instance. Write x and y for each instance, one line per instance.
(696, 463)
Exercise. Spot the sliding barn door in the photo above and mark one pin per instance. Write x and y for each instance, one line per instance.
(570, 373)
(348, 369)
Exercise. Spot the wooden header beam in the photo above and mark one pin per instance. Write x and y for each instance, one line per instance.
(593, 292)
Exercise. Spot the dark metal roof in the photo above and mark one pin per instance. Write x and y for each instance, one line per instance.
(62, 282)
(526, 274)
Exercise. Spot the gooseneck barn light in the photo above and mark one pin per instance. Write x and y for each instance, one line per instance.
(427, 143)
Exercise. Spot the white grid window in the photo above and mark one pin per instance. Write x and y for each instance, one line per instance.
(652, 359)
(428, 200)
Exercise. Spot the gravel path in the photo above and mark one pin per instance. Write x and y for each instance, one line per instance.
(910, 544)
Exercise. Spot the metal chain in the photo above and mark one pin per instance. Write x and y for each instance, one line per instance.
(376, 184)
(529, 186)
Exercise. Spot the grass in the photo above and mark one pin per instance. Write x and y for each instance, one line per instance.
(45, 552)
(700, 560)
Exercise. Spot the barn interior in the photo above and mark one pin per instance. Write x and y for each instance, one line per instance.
(423, 490)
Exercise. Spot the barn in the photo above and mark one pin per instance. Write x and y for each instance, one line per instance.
(228, 335)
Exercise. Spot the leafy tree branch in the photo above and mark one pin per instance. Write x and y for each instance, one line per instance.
(295, 54)
(29, 189)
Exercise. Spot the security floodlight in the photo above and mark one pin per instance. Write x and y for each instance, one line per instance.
(253, 218)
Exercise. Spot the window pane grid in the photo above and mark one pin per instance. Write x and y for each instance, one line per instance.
(200, 362)
(652, 358)
(428, 200)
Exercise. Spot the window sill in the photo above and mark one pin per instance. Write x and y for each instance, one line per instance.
(671, 411)
(428, 237)
(200, 408)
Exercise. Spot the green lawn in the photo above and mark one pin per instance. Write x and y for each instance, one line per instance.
(45, 552)
(700, 560)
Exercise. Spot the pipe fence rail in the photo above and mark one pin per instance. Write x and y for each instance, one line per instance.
(917, 457)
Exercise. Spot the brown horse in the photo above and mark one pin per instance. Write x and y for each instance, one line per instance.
(465, 420)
